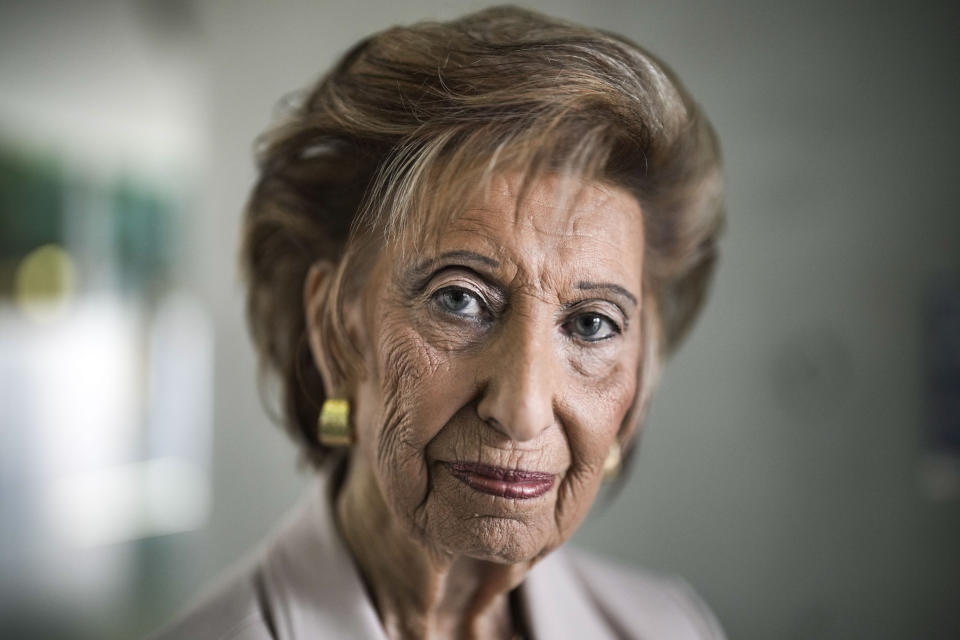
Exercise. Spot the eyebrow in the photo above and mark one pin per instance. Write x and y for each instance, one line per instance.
(609, 286)
(467, 256)
(472, 256)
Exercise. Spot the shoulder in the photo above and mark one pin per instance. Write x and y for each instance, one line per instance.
(299, 583)
(636, 600)
(231, 609)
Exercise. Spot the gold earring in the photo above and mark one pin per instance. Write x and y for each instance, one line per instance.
(333, 425)
(611, 466)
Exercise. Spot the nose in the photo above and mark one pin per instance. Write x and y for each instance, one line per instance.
(521, 379)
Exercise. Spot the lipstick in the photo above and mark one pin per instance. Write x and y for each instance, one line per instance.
(505, 483)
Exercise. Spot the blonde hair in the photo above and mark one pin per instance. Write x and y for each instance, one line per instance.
(413, 119)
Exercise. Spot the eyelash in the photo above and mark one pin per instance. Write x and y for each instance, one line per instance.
(484, 310)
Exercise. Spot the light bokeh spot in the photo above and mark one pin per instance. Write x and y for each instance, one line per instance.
(45, 282)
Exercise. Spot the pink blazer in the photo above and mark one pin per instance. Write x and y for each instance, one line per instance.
(302, 585)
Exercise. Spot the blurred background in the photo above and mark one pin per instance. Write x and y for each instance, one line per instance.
(801, 466)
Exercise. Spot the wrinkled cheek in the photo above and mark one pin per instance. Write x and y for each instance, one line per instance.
(408, 381)
(603, 408)
(574, 499)
(601, 414)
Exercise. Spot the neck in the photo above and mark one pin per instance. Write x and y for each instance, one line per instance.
(419, 591)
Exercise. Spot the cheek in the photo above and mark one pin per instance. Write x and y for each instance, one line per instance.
(596, 411)
(600, 392)
(406, 400)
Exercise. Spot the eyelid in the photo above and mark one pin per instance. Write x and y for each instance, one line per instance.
(462, 268)
(477, 298)
(488, 292)
(480, 316)
(614, 329)
(434, 291)
(601, 307)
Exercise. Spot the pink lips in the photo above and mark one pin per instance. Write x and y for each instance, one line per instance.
(497, 481)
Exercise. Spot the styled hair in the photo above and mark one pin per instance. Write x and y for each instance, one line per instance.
(413, 120)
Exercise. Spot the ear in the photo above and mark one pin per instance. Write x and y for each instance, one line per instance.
(317, 289)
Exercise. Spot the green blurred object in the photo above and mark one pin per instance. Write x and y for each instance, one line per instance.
(31, 209)
(143, 222)
(139, 228)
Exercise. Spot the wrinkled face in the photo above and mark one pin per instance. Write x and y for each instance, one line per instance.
(502, 359)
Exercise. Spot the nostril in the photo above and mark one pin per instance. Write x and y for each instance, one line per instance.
(493, 423)
(518, 425)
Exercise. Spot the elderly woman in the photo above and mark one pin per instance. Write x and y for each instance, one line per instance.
(470, 248)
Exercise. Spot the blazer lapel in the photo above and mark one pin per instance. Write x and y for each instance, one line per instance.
(313, 587)
(557, 604)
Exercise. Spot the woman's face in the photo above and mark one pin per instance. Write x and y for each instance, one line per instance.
(501, 360)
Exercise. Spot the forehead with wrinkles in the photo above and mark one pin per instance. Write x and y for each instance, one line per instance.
(558, 225)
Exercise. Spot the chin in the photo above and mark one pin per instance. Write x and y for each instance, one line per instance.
(497, 539)
(458, 521)
(492, 530)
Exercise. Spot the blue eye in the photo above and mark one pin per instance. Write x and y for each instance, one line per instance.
(460, 302)
(591, 327)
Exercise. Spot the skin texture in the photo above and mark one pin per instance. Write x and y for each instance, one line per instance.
(510, 337)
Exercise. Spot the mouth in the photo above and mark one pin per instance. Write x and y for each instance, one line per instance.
(516, 484)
